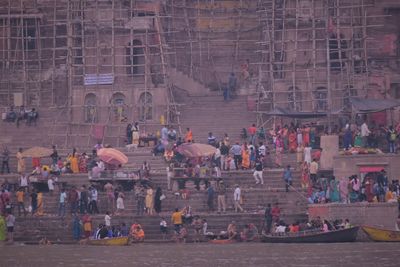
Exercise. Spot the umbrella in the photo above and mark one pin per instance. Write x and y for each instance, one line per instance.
(37, 152)
(112, 156)
(196, 150)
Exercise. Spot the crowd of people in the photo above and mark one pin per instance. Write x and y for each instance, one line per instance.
(13, 115)
(375, 187)
(252, 153)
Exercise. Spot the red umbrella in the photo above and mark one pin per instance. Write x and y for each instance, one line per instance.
(112, 156)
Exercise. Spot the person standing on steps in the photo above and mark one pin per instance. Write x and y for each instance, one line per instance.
(314, 171)
(237, 198)
(188, 135)
(224, 149)
(252, 132)
(287, 176)
(54, 156)
(268, 218)
(135, 134)
(221, 197)
(20, 162)
(61, 203)
(10, 221)
(258, 172)
(232, 81)
(210, 198)
(6, 159)
(236, 150)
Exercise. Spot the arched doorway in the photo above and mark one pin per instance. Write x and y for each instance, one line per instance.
(321, 99)
(119, 107)
(294, 98)
(135, 58)
(146, 107)
(90, 108)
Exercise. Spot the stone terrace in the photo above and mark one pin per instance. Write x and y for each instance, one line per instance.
(293, 204)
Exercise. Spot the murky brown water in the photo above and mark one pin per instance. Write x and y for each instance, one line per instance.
(241, 254)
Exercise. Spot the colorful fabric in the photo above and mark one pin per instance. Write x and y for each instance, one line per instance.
(74, 164)
(3, 228)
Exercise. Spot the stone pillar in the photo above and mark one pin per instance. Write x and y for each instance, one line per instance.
(330, 148)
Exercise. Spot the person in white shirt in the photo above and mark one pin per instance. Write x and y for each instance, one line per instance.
(307, 154)
(262, 150)
(236, 198)
(170, 174)
(364, 134)
(50, 185)
(93, 201)
(107, 219)
(23, 182)
(61, 206)
(280, 229)
(120, 203)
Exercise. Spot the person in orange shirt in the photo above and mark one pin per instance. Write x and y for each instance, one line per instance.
(176, 220)
(188, 136)
(252, 132)
(137, 232)
(20, 200)
(138, 235)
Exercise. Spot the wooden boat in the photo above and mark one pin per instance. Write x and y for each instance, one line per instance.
(336, 236)
(115, 241)
(382, 235)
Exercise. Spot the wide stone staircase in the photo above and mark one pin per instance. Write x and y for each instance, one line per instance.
(205, 114)
(293, 204)
(202, 114)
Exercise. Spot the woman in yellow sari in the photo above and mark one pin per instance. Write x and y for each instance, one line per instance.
(21, 162)
(74, 162)
(39, 211)
(245, 158)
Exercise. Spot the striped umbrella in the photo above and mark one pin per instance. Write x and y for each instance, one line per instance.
(196, 150)
(112, 156)
(37, 152)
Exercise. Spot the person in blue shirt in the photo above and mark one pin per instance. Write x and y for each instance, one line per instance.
(287, 176)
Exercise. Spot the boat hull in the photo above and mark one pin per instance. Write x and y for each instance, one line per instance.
(116, 241)
(338, 236)
(382, 235)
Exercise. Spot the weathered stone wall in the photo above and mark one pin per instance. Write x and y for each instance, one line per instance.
(347, 165)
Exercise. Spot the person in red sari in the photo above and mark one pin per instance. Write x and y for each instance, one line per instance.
(82, 163)
(276, 213)
(278, 150)
(285, 139)
(292, 141)
(36, 162)
(306, 135)
(369, 190)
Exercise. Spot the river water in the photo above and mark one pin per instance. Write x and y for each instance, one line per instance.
(205, 255)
